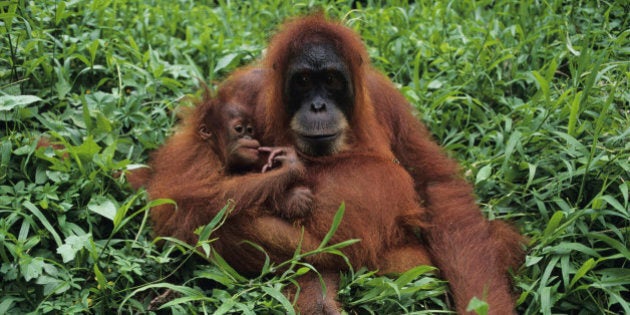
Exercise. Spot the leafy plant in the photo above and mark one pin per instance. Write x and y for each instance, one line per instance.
(532, 98)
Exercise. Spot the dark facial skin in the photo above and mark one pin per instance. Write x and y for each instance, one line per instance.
(319, 96)
(241, 147)
(231, 134)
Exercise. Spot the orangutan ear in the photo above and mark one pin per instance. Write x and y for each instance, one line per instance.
(204, 133)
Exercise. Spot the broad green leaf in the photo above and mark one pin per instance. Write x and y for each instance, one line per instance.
(9, 102)
(7, 303)
(52, 285)
(216, 275)
(553, 223)
(620, 247)
(276, 294)
(411, 274)
(31, 268)
(225, 307)
(225, 61)
(104, 207)
(87, 149)
(483, 174)
(480, 307)
(586, 267)
(72, 245)
(40, 216)
(542, 83)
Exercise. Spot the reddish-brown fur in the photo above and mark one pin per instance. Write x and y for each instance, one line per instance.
(191, 170)
(382, 211)
(473, 254)
(382, 208)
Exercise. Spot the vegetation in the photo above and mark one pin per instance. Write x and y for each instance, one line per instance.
(533, 99)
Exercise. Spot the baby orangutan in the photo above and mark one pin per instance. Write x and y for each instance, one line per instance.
(214, 158)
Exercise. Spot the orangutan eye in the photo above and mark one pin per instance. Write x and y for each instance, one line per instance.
(334, 81)
(238, 128)
(302, 81)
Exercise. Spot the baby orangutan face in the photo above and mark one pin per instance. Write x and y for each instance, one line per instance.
(241, 147)
(230, 130)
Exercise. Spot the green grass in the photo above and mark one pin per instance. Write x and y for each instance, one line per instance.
(534, 101)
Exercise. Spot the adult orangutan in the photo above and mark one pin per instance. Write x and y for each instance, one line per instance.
(319, 93)
(214, 157)
(316, 91)
(218, 160)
